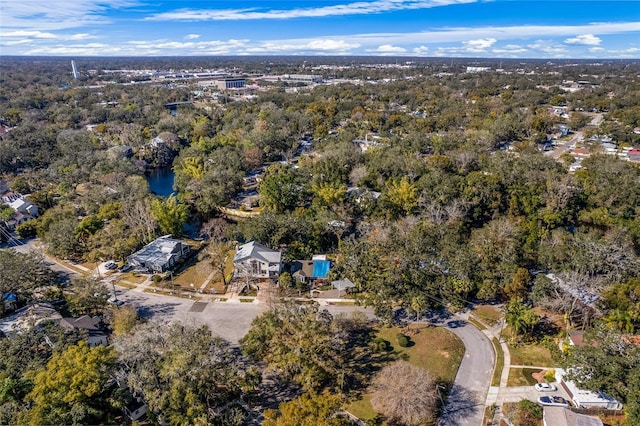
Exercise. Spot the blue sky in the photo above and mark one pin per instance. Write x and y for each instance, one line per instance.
(428, 28)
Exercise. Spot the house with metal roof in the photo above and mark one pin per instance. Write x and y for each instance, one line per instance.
(253, 260)
(160, 255)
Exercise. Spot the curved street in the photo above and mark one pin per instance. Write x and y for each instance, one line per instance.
(464, 404)
(466, 401)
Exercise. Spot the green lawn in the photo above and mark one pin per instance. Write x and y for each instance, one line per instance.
(132, 277)
(497, 372)
(361, 408)
(522, 377)
(530, 354)
(488, 314)
(435, 349)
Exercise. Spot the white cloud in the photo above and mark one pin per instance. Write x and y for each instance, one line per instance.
(318, 46)
(81, 36)
(29, 33)
(548, 47)
(168, 47)
(509, 49)
(355, 8)
(420, 50)
(596, 49)
(15, 42)
(460, 34)
(87, 49)
(388, 49)
(460, 41)
(25, 36)
(584, 39)
(57, 14)
(448, 51)
(479, 45)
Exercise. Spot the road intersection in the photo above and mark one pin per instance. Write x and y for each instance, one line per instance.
(229, 316)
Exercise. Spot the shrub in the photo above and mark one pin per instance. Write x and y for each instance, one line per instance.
(529, 413)
(380, 344)
(550, 376)
(156, 278)
(27, 229)
(403, 340)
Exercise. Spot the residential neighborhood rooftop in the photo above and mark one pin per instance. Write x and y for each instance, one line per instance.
(256, 250)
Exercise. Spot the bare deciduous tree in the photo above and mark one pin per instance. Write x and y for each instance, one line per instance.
(214, 229)
(404, 393)
(138, 217)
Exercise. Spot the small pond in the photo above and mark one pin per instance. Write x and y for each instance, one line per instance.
(161, 181)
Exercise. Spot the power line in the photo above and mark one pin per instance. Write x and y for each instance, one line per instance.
(10, 238)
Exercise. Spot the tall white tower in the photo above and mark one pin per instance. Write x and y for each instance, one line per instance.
(74, 70)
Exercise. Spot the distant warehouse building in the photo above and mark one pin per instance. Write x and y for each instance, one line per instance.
(294, 78)
(230, 83)
(160, 255)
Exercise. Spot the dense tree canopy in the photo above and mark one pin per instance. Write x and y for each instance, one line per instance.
(184, 374)
(425, 185)
(73, 388)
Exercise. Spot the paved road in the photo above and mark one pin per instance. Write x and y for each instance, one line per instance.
(576, 138)
(228, 320)
(465, 404)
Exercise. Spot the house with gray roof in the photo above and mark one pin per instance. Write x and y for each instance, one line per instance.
(92, 326)
(561, 416)
(253, 260)
(160, 255)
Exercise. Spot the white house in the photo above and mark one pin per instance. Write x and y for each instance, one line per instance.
(586, 398)
(253, 260)
(20, 205)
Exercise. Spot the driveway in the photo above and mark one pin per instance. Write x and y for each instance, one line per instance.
(466, 401)
(518, 393)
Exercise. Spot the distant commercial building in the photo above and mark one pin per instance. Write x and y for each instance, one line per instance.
(472, 70)
(230, 83)
(295, 78)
